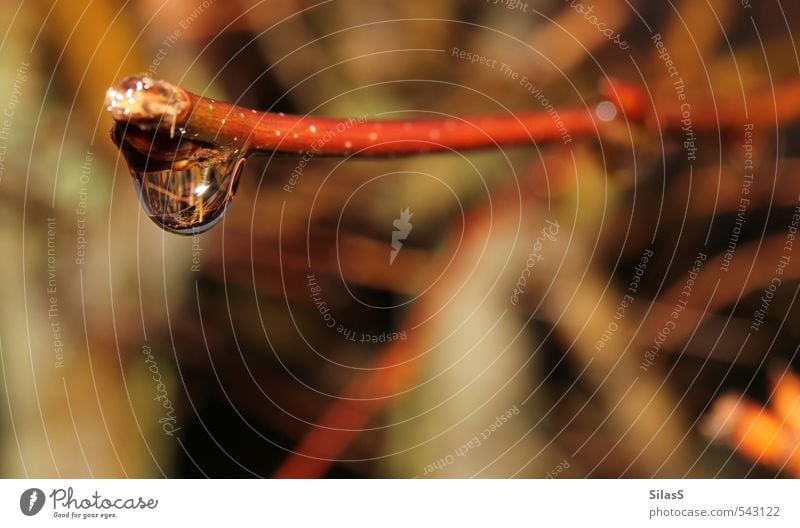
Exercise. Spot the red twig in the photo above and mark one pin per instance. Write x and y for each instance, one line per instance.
(158, 105)
(151, 104)
(776, 106)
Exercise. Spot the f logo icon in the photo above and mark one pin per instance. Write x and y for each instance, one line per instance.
(31, 501)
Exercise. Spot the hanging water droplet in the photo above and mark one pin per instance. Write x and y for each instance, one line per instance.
(191, 200)
(184, 186)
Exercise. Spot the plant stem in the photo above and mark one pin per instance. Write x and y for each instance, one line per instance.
(768, 108)
(157, 105)
(160, 106)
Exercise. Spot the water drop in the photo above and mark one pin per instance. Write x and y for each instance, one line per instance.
(184, 186)
(192, 200)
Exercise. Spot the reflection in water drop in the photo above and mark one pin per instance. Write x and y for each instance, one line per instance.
(191, 200)
(184, 186)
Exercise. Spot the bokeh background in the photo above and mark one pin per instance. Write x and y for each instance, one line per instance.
(500, 341)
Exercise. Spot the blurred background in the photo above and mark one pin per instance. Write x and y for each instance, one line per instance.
(620, 304)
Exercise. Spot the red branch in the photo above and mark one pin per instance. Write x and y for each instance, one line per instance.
(156, 105)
